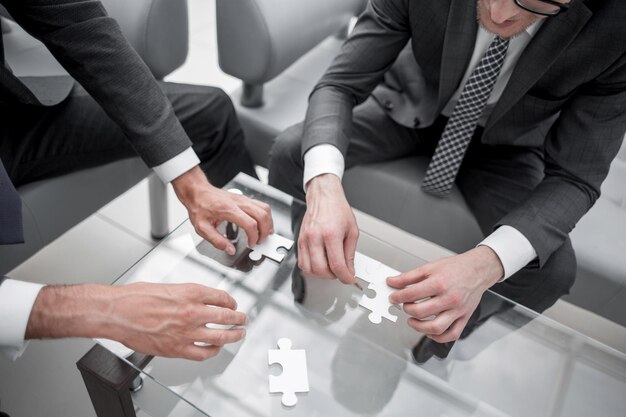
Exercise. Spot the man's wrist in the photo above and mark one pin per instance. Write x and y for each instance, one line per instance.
(513, 249)
(70, 311)
(187, 184)
(177, 165)
(489, 265)
(322, 183)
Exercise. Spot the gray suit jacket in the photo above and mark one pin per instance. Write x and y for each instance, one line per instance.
(92, 49)
(567, 95)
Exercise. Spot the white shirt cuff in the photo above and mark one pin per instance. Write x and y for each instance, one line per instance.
(322, 159)
(512, 247)
(177, 166)
(16, 302)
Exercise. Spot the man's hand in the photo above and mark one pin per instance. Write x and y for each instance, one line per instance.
(450, 288)
(156, 319)
(329, 232)
(209, 206)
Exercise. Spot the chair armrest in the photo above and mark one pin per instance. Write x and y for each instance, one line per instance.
(257, 39)
(157, 29)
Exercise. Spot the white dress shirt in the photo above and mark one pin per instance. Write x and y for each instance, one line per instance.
(17, 297)
(16, 302)
(511, 246)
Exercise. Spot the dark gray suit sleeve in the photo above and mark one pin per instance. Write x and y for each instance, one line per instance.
(578, 152)
(92, 49)
(378, 37)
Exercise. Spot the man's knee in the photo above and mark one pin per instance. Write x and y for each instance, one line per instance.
(540, 288)
(223, 101)
(285, 161)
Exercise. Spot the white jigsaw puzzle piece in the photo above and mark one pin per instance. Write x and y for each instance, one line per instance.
(269, 248)
(375, 273)
(294, 377)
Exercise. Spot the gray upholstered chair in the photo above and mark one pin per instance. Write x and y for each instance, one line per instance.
(158, 30)
(280, 52)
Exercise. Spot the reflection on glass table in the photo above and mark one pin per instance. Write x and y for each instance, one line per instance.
(510, 361)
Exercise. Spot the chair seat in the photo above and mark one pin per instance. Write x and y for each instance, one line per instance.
(391, 191)
(53, 206)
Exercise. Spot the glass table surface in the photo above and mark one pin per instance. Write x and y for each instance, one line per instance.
(513, 363)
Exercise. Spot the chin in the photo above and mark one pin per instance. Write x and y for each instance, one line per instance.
(509, 31)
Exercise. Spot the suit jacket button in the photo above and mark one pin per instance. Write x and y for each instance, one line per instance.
(388, 104)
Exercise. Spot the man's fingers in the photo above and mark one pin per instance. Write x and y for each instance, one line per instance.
(407, 278)
(219, 337)
(434, 327)
(215, 238)
(219, 315)
(453, 333)
(319, 262)
(337, 261)
(199, 353)
(413, 293)
(424, 309)
(247, 223)
(262, 215)
(304, 260)
(349, 247)
(218, 298)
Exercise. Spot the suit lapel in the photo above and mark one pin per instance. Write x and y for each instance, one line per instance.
(553, 37)
(458, 46)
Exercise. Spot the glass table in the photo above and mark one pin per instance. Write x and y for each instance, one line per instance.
(510, 362)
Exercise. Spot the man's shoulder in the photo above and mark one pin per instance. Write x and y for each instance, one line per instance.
(606, 27)
(610, 12)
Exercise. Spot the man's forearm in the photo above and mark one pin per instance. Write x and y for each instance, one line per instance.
(71, 311)
(328, 119)
(92, 48)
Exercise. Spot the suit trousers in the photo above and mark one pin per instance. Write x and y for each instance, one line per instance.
(492, 179)
(38, 142)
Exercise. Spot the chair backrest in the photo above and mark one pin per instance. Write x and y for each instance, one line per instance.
(157, 29)
(614, 186)
(258, 39)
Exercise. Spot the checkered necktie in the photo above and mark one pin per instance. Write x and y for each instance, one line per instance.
(456, 136)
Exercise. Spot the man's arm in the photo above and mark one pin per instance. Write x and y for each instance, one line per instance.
(91, 47)
(156, 319)
(378, 37)
(578, 152)
(329, 233)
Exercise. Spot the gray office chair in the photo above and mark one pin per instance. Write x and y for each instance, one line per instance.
(158, 30)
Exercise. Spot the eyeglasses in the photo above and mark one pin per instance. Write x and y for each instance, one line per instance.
(543, 7)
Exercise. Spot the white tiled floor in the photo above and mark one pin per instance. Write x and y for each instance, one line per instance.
(45, 381)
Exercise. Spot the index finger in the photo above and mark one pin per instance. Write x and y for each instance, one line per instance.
(337, 261)
(247, 223)
(413, 293)
(407, 278)
(218, 298)
(262, 214)
(265, 222)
